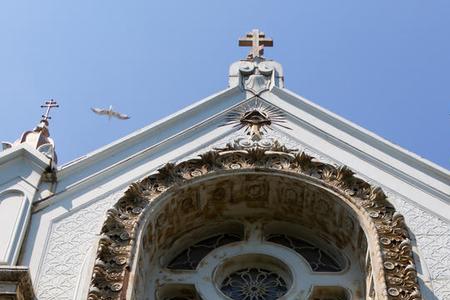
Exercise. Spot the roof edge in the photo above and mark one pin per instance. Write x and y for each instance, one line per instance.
(152, 127)
(413, 160)
(26, 151)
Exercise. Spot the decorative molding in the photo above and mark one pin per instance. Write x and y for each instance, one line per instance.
(256, 117)
(69, 242)
(15, 283)
(396, 272)
(267, 141)
(256, 76)
(442, 289)
(431, 233)
(432, 236)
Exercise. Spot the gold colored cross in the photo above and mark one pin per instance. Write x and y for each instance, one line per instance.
(49, 105)
(257, 40)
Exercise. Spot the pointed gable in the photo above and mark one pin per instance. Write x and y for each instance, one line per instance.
(256, 110)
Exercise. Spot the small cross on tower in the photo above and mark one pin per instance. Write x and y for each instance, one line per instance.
(49, 105)
(257, 40)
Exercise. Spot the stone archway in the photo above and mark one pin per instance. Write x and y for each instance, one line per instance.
(392, 266)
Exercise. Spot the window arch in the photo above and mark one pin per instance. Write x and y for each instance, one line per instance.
(269, 185)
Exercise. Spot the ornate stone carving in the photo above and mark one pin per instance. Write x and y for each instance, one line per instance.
(396, 274)
(70, 240)
(256, 76)
(15, 283)
(442, 289)
(432, 236)
(256, 117)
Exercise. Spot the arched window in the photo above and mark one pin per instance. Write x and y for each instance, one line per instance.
(257, 260)
(253, 225)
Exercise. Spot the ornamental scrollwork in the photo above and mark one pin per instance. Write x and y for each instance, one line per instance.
(115, 252)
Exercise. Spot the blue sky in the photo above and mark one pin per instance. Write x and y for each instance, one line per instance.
(384, 65)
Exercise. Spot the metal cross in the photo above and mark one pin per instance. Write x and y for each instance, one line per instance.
(49, 105)
(257, 40)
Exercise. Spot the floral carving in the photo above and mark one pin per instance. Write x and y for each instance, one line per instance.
(115, 251)
(254, 283)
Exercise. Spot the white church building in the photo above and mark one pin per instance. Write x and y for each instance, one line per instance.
(253, 193)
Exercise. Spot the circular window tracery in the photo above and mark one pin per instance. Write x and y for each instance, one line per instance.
(238, 270)
(253, 277)
(254, 284)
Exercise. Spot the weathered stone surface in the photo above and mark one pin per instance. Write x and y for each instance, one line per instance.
(391, 252)
(15, 284)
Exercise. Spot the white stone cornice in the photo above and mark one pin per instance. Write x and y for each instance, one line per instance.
(156, 132)
(23, 150)
(414, 161)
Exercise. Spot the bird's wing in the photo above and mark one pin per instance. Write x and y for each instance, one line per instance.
(120, 116)
(99, 111)
(5, 145)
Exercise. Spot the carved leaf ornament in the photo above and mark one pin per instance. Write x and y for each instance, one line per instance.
(395, 272)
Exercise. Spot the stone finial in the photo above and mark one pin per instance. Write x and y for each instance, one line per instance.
(257, 40)
(39, 137)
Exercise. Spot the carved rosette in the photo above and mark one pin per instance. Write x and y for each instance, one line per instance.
(116, 247)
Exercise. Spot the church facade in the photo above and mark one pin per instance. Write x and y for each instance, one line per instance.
(253, 193)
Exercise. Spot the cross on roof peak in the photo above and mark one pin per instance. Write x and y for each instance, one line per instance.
(49, 105)
(257, 40)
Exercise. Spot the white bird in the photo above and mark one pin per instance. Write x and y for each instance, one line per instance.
(109, 112)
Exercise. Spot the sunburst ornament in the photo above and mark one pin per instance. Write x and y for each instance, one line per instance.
(256, 117)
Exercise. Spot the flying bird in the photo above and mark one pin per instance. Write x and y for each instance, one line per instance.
(110, 113)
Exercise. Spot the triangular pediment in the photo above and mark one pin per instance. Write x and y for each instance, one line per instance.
(256, 111)
(305, 125)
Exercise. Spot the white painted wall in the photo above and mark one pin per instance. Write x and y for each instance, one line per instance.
(21, 168)
(14, 210)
